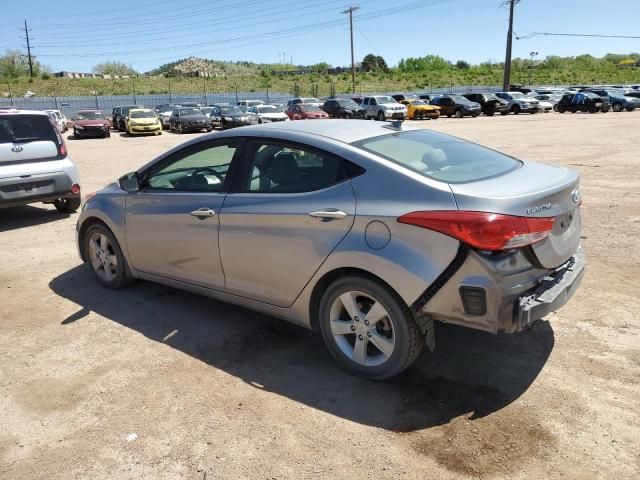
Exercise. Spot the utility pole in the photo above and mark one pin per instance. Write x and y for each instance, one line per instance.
(350, 11)
(26, 32)
(506, 79)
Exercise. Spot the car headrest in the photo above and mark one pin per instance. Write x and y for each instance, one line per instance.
(284, 169)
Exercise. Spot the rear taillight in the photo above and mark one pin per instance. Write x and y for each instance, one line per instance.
(483, 230)
(75, 188)
(62, 149)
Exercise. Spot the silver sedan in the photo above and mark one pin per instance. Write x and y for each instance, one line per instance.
(366, 232)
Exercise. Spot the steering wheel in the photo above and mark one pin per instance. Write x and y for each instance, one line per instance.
(210, 170)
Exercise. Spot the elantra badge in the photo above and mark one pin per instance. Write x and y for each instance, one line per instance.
(16, 149)
(538, 208)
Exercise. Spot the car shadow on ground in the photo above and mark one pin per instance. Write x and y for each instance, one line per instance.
(470, 373)
(14, 218)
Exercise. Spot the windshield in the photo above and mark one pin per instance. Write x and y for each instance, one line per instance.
(385, 100)
(615, 93)
(190, 111)
(440, 157)
(348, 104)
(310, 108)
(490, 96)
(310, 100)
(418, 102)
(460, 99)
(206, 110)
(516, 94)
(231, 109)
(89, 116)
(142, 114)
(269, 109)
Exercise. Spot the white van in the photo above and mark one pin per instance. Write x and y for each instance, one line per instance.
(34, 165)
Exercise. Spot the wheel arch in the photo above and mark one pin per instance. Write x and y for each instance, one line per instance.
(86, 224)
(327, 279)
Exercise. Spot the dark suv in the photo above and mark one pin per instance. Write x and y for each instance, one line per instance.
(489, 103)
(583, 102)
(456, 106)
(343, 108)
(118, 114)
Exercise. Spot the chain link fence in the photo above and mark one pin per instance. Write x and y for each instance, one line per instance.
(71, 104)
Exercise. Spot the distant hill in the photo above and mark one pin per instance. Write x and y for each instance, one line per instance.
(186, 66)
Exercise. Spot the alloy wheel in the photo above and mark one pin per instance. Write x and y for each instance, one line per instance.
(103, 257)
(362, 328)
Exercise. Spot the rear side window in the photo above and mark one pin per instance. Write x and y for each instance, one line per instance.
(440, 157)
(26, 128)
(284, 168)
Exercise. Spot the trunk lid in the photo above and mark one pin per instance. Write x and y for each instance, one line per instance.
(533, 190)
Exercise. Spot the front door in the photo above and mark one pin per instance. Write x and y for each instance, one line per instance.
(172, 223)
(292, 208)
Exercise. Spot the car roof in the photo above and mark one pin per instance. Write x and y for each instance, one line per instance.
(16, 111)
(347, 131)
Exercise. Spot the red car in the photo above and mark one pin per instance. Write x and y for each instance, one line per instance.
(90, 123)
(305, 111)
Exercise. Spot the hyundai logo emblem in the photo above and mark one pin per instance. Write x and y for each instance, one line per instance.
(575, 196)
(16, 148)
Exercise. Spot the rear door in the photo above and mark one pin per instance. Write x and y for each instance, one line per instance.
(28, 145)
(292, 207)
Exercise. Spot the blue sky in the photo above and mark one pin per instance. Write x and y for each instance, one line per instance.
(147, 33)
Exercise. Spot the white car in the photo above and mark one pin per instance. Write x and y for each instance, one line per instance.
(34, 164)
(165, 115)
(247, 104)
(308, 100)
(269, 113)
(383, 107)
(519, 103)
(61, 120)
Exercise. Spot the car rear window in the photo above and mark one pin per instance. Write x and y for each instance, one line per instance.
(440, 157)
(26, 128)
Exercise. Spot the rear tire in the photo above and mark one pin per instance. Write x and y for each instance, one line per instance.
(68, 205)
(378, 349)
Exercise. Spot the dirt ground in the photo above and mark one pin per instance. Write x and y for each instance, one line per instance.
(151, 382)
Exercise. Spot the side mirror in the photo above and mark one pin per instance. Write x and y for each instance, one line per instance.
(129, 182)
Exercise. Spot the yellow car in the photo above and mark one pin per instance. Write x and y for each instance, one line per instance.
(419, 109)
(141, 121)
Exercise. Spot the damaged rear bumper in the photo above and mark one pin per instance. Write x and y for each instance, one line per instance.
(501, 292)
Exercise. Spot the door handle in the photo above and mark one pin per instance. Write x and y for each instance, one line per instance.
(328, 214)
(203, 212)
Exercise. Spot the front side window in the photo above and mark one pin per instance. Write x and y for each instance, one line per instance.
(283, 168)
(440, 157)
(197, 169)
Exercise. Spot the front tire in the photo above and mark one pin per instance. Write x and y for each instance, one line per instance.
(617, 107)
(516, 109)
(368, 328)
(458, 114)
(104, 257)
(68, 205)
(381, 116)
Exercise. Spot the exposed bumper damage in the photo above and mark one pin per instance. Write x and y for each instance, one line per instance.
(501, 292)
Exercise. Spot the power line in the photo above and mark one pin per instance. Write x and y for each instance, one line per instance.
(534, 34)
(240, 19)
(276, 34)
(266, 19)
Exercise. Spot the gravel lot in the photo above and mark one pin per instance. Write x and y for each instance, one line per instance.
(151, 382)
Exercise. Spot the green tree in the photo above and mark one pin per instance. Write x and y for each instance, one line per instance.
(114, 68)
(462, 65)
(14, 64)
